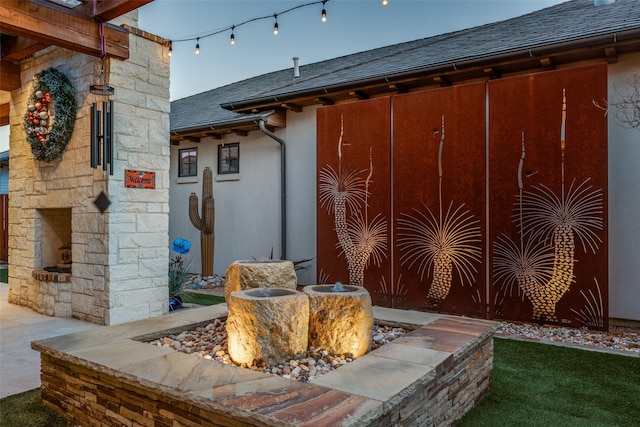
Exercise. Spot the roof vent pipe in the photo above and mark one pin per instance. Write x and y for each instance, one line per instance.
(296, 67)
(601, 2)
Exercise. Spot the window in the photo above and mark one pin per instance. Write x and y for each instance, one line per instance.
(188, 162)
(229, 158)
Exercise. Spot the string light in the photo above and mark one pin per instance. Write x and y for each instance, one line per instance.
(276, 28)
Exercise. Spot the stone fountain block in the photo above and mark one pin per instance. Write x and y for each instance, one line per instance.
(269, 325)
(243, 275)
(340, 322)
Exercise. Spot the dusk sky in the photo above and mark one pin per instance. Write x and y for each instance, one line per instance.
(352, 26)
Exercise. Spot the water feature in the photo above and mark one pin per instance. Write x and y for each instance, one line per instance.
(267, 324)
(340, 318)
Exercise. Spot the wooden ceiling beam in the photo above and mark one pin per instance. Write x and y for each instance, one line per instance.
(17, 48)
(47, 25)
(10, 73)
(4, 114)
(106, 10)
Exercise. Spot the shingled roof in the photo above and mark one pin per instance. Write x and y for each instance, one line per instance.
(567, 32)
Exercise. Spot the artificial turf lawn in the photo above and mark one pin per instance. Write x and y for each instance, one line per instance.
(546, 385)
(532, 385)
(26, 410)
(201, 299)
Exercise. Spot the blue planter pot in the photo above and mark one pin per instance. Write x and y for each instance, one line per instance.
(175, 302)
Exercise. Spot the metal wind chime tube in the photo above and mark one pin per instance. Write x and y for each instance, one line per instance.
(102, 132)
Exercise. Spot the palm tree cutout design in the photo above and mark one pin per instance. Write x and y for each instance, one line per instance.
(438, 244)
(543, 217)
(345, 193)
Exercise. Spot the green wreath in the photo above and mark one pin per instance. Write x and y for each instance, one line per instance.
(51, 114)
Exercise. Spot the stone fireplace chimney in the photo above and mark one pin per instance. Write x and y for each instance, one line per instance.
(118, 259)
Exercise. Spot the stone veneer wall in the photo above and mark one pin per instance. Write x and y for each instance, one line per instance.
(95, 395)
(120, 257)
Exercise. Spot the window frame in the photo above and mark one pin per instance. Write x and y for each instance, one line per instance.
(229, 167)
(194, 163)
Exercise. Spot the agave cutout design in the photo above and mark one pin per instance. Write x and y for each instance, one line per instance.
(438, 245)
(545, 218)
(592, 314)
(346, 193)
(393, 295)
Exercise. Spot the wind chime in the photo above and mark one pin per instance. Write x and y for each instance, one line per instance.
(102, 148)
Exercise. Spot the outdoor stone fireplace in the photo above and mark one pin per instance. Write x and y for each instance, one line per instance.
(108, 263)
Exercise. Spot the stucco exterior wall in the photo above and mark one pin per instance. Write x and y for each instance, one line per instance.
(247, 205)
(624, 199)
(247, 221)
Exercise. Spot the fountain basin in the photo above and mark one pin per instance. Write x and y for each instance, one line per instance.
(254, 274)
(267, 325)
(340, 321)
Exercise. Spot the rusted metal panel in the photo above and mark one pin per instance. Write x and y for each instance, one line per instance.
(548, 192)
(439, 200)
(353, 188)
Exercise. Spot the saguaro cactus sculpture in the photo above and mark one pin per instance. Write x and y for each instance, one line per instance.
(205, 223)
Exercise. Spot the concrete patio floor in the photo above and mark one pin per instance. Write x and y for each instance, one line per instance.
(19, 364)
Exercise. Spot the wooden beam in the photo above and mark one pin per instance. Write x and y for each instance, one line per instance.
(217, 136)
(191, 138)
(493, 72)
(442, 80)
(4, 114)
(399, 88)
(325, 101)
(17, 48)
(10, 73)
(46, 25)
(612, 54)
(548, 63)
(293, 107)
(240, 132)
(359, 94)
(106, 10)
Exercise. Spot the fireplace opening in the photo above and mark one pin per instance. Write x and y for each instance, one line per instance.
(53, 240)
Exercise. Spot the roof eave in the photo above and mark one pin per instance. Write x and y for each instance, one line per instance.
(540, 51)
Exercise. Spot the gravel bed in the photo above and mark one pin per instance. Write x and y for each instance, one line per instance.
(210, 342)
(617, 338)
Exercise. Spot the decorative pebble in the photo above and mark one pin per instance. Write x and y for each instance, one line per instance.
(210, 342)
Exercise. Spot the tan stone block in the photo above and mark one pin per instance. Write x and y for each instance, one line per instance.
(243, 275)
(269, 328)
(340, 322)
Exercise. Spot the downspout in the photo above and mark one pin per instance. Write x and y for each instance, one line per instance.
(283, 193)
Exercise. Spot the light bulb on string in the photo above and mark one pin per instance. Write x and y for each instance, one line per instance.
(275, 26)
(198, 46)
(170, 47)
(385, 2)
(232, 40)
(324, 12)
